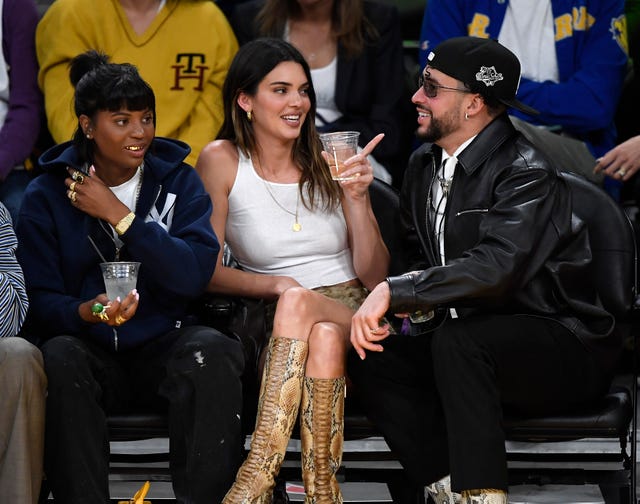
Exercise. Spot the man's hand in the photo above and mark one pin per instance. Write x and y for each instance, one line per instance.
(365, 324)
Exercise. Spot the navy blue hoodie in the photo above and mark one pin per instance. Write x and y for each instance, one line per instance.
(171, 237)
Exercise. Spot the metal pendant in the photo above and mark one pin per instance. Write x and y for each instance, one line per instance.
(296, 226)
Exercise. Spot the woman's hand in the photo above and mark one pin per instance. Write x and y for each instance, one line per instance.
(359, 167)
(622, 161)
(91, 195)
(111, 312)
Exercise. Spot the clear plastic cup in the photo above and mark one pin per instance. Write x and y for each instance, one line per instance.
(120, 278)
(340, 146)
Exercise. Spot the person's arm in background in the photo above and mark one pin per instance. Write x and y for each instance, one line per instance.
(13, 294)
(623, 161)
(21, 127)
(61, 34)
(587, 100)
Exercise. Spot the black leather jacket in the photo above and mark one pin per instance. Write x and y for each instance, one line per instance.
(512, 244)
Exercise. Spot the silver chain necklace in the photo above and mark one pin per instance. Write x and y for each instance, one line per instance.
(111, 233)
(296, 223)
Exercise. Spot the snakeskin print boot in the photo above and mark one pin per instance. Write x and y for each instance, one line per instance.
(277, 411)
(441, 493)
(321, 434)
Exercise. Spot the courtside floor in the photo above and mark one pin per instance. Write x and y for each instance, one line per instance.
(128, 477)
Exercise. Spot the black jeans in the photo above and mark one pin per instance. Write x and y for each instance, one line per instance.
(193, 372)
(439, 398)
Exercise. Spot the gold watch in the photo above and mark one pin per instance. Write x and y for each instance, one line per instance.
(125, 223)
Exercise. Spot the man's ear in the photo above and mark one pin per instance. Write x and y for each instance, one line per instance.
(476, 105)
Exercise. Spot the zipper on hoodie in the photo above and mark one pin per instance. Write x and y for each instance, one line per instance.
(115, 339)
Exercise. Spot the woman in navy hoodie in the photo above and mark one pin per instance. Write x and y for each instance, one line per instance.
(118, 193)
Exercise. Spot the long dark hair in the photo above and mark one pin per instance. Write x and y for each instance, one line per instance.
(251, 64)
(100, 85)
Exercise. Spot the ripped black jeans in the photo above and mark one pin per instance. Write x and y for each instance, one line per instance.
(193, 373)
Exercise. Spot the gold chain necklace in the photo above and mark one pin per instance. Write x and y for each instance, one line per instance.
(296, 223)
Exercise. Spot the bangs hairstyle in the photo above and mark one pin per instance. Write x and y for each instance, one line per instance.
(100, 85)
(252, 63)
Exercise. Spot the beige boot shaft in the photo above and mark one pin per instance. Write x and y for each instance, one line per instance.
(322, 437)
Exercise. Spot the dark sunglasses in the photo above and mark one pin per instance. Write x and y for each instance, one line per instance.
(431, 89)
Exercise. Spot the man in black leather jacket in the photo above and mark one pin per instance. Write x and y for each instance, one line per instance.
(499, 257)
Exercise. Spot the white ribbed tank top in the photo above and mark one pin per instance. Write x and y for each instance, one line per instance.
(261, 237)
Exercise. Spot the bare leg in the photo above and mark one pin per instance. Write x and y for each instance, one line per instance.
(322, 322)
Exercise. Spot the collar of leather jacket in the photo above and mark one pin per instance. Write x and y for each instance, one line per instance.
(488, 141)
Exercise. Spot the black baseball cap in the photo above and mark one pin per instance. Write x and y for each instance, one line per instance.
(484, 65)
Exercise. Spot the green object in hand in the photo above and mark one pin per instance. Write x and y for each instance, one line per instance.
(97, 308)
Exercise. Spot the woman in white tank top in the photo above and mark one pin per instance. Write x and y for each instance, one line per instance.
(302, 239)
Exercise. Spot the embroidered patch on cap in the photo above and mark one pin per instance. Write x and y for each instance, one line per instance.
(488, 75)
(473, 61)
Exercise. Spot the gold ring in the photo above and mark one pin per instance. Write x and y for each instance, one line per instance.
(73, 196)
(119, 320)
(102, 315)
(72, 186)
(78, 177)
(622, 172)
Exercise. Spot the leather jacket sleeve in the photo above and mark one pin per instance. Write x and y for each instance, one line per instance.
(508, 213)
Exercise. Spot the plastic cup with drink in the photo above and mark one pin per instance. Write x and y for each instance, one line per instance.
(340, 146)
(120, 278)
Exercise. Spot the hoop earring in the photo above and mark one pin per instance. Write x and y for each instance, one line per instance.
(466, 116)
(249, 115)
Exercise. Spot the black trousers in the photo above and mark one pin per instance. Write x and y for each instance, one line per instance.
(193, 372)
(439, 398)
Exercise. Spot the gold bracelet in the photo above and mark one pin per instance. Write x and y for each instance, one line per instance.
(125, 223)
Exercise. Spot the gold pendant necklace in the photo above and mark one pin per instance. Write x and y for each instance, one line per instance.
(296, 223)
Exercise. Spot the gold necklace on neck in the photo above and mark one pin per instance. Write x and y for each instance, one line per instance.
(296, 223)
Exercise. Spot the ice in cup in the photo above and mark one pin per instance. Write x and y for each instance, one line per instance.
(120, 278)
(340, 146)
